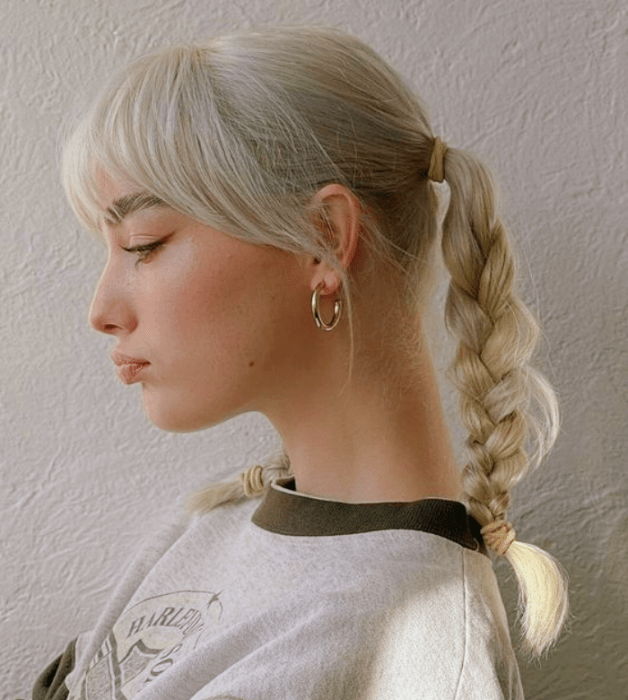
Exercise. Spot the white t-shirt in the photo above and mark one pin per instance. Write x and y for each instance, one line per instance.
(300, 598)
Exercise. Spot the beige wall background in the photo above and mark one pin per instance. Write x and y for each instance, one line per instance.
(539, 88)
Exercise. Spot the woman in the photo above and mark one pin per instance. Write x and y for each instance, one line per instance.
(269, 207)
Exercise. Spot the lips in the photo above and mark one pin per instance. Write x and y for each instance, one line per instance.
(130, 373)
(121, 359)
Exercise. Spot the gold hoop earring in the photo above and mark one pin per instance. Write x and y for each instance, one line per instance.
(316, 311)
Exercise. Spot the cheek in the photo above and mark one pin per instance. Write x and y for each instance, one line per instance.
(200, 300)
(189, 307)
(225, 305)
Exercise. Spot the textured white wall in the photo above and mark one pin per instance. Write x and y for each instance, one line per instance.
(539, 88)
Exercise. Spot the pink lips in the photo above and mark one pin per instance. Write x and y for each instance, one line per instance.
(128, 373)
(128, 367)
(121, 359)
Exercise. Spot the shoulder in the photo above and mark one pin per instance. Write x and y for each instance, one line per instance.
(441, 632)
(406, 626)
(390, 612)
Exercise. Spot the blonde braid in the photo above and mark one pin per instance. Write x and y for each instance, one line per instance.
(251, 483)
(497, 336)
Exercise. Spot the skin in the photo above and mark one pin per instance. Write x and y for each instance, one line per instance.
(227, 327)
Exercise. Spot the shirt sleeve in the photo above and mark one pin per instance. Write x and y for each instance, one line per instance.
(51, 683)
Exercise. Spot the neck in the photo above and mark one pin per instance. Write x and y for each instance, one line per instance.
(370, 443)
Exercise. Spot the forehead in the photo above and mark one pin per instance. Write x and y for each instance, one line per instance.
(111, 189)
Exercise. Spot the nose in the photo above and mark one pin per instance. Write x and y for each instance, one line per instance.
(111, 309)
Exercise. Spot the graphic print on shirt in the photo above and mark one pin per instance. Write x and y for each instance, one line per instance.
(146, 641)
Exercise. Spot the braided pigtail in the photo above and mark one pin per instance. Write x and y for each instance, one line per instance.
(250, 483)
(497, 336)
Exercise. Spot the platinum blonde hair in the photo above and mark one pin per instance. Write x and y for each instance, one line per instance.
(241, 131)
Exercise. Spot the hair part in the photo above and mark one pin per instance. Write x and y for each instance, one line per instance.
(240, 131)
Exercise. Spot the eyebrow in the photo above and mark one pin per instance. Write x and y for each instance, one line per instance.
(131, 203)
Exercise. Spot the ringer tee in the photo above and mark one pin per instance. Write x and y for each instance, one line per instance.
(301, 598)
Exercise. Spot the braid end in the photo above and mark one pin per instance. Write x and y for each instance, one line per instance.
(543, 600)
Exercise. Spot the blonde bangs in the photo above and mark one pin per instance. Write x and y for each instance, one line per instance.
(123, 137)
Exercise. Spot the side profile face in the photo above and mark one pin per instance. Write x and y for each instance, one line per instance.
(222, 323)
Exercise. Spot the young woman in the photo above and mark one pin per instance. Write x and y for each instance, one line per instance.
(273, 230)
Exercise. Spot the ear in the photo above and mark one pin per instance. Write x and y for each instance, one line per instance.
(341, 225)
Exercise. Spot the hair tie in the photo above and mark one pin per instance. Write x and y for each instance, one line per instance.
(499, 535)
(252, 482)
(436, 171)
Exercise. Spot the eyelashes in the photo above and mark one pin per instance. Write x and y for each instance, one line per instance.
(143, 252)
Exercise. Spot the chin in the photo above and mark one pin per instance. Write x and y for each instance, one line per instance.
(173, 418)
